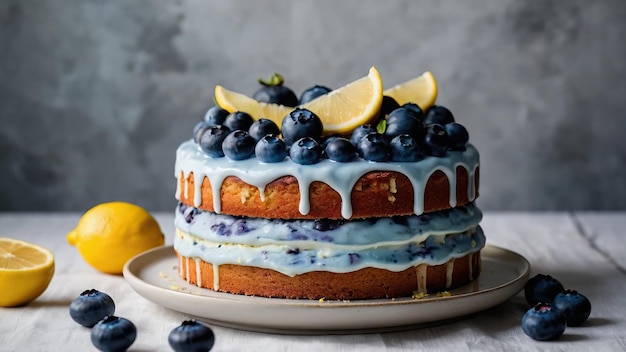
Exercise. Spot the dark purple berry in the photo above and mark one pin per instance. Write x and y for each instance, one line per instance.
(542, 288)
(113, 334)
(238, 145)
(543, 322)
(301, 123)
(458, 135)
(262, 127)
(216, 116)
(270, 149)
(405, 148)
(415, 109)
(90, 307)
(273, 91)
(360, 132)
(403, 121)
(313, 92)
(199, 130)
(212, 139)
(340, 149)
(374, 147)
(388, 105)
(436, 140)
(305, 151)
(191, 336)
(238, 120)
(438, 114)
(574, 305)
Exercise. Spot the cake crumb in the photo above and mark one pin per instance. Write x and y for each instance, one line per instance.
(175, 288)
(392, 185)
(391, 199)
(322, 300)
(444, 294)
(162, 274)
(419, 295)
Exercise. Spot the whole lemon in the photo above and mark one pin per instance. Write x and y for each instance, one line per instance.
(109, 234)
(25, 271)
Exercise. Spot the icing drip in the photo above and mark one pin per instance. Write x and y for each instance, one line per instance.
(216, 277)
(198, 273)
(187, 269)
(180, 266)
(449, 272)
(422, 278)
(190, 159)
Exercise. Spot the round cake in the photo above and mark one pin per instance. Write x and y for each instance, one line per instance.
(386, 209)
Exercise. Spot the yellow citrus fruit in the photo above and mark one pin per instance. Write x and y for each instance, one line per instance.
(233, 101)
(344, 109)
(25, 271)
(421, 90)
(109, 234)
(341, 110)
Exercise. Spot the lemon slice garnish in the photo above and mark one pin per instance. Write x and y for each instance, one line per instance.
(421, 90)
(25, 271)
(341, 110)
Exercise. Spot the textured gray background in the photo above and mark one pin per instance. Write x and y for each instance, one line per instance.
(95, 96)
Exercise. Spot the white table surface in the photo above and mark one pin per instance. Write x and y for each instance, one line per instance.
(585, 251)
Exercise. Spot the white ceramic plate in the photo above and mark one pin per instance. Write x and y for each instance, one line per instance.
(154, 276)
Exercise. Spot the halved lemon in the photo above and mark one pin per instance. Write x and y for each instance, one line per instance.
(421, 90)
(341, 110)
(25, 271)
(344, 109)
(233, 101)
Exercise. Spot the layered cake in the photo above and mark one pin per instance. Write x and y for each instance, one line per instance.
(283, 207)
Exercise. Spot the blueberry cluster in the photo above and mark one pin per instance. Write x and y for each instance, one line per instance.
(95, 309)
(553, 309)
(404, 134)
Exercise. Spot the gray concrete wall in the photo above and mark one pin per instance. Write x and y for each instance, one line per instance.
(95, 95)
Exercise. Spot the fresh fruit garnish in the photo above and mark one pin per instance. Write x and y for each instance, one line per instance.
(305, 151)
(403, 121)
(374, 147)
(215, 116)
(458, 135)
(388, 105)
(300, 123)
(90, 307)
(421, 90)
(273, 91)
(113, 334)
(574, 305)
(543, 323)
(313, 92)
(405, 148)
(238, 145)
(233, 101)
(110, 234)
(542, 288)
(436, 140)
(238, 120)
(270, 149)
(438, 114)
(211, 139)
(361, 131)
(25, 271)
(340, 149)
(191, 336)
(352, 105)
(263, 127)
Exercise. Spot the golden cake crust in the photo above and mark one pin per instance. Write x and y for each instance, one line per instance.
(367, 283)
(376, 194)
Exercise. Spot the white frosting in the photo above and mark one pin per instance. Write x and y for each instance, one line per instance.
(339, 176)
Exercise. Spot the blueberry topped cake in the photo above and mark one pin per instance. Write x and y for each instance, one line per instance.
(344, 194)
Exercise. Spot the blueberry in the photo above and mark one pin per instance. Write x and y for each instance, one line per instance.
(270, 149)
(327, 224)
(313, 92)
(238, 145)
(438, 114)
(238, 120)
(340, 149)
(403, 121)
(305, 151)
(262, 127)
(543, 323)
(405, 148)
(360, 132)
(90, 307)
(436, 140)
(574, 305)
(274, 92)
(542, 288)
(415, 109)
(458, 135)
(215, 116)
(301, 123)
(374, 147)
(199, 130)
(113, 334)
(388, 105)
(212, 139)
(191, 336)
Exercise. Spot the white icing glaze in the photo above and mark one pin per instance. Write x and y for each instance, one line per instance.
(198, 273)
(449, 272)
(191, 159)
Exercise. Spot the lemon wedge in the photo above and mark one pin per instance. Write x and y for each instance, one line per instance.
(110, 234)
(25, 271)
(233, 101)
(341, 110)
(421, 90)
(344, 109)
